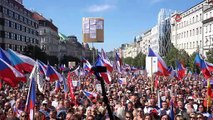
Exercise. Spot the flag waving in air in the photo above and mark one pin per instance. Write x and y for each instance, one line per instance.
(30, 103)
(180, 70)
(162, 67)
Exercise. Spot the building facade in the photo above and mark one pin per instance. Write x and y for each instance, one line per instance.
(18, 28)
(187, 29)
(207, 28)
(48, 34)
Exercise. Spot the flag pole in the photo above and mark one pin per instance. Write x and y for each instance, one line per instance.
(151, 77)
(208, 93)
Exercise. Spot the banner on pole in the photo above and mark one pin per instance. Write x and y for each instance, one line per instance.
(151, 65)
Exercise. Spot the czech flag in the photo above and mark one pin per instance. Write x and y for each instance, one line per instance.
(209, 66)
(52, 74)
(86, 65)
(18, 63)
(180, 70)
(118, 62)
(9, 74)
(70, 84)
(57, 86)
(104, 75)
(4, 57)
(30, 103)
(89, 94)
(162, 67)
(42, 67)
(204, 69)
(122, 81)
(106, 61)
(197, 60)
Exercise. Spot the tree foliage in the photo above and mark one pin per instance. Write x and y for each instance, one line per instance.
(209, 56)
(138, 61)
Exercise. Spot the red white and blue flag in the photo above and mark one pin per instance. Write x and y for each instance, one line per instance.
(86, 65)
(18, 63)
(118, 62)
(10, 75)
(52, 74)
(89, 94)
(162, 67)
(203, 66)
(181, 70)
(106, 61)
(30, 103)
(104, 75)
(57, 86)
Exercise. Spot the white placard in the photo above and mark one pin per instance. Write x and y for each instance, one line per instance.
(151, 65)
(75, 83)
(98, 88)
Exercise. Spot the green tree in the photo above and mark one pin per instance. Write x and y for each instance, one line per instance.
(209, 55)
(139, 60)
(171, 56)
(129, 60)
(35, 52)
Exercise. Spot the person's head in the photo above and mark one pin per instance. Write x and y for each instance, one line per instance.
(18, 103)
(165, 117)
(23, 116)
(130, 105)
(201, 108)
(147, 117)
(180, 104)
(192, 116)
(179, 117)
(90, 117)
(140, 112)
(69, 116)
(200, 116)
(164, 105)
(152, 102)
(53, 114)
(129, 116)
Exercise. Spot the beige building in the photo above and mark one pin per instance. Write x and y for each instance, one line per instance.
(187, 30)
(48, 34)
(208, 28)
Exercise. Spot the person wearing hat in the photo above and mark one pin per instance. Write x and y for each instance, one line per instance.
(44, 109)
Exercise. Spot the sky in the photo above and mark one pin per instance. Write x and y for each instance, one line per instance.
(123, 19)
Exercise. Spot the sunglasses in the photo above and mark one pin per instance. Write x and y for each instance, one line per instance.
(127, 116)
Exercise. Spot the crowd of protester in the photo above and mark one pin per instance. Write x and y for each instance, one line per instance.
(139, 98)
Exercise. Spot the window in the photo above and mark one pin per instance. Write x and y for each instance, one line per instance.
(210, 14)
(193, 44)
(200, 30)
(187, 33)
(10, 13)
(7, 23)
(21, 18)
(12, 36)
(210, 27)
(18, 27)
(23, 38)
(27, 39)
(200, 16)
(190, 33)
(196, 18)
(193, 32)
(4, 10)
(25, 20)
(193, 19)
(6, 34)
(206, 29)
(12, 24)
(18, 37)
(197, 31)
(16, 16)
